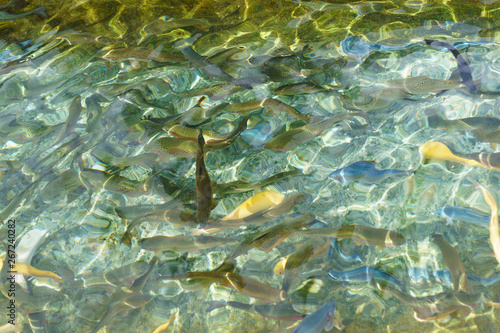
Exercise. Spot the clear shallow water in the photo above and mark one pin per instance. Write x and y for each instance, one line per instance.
(59, 63)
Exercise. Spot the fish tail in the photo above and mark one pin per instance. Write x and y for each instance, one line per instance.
(212, 305)
(41, 11)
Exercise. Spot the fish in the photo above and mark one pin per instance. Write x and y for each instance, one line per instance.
(318, 321)
(254, 288)
(471, 123)
(165, 147)
(132, 212)
(439, 152)
(257, 218)
(463, 66)
(141, 53)
(469, 215)
(277, 105)
(75, 108)
(116, 183)
(183, 243)
(30, 131)
(15, 5)
(348, 258)
(484, 136)
(290, 139)
(246, 106)
(198, 280)
(437, 306)
(244, 285)
(365, 172)
(40, 167)
(489, 160)
(5, 16)
(122, 276)
(279, 311)
(259, 202)
(175, 216)
(365, 274)
(417, 85)
(215, 91)
(164, 24)
(298, 258)
(195, 116)
(126, 299)
(163, 328)
(454, 264)
(210, 137)
(61, 186)
(268, 239)
(361, 235)
(494, 228)
(299, 89)
(204, 193)
(210, 69)
(25, 268)
(241, 186)
(37, 322)
(221, 57)
(15, 203)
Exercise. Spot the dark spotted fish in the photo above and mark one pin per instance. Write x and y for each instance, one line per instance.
(203, 184)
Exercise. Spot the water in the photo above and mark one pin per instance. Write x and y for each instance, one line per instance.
(78, 131)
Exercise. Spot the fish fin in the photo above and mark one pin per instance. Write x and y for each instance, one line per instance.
(212, 305)
(380, 247)
(493, 145)
(329, 325)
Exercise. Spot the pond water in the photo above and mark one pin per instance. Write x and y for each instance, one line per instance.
(357, 142)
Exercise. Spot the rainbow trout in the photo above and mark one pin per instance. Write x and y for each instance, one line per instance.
(268, 239)
(292, 138)
(454, 264)
(422, 85)
(438, 306)
(141, 53)
(361, 235)
(75, 109)
(210, 69)
(175, 216)
(183, 243)
(211, 137)
(167, 147)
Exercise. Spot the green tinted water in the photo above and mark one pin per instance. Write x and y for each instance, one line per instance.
(86, 92)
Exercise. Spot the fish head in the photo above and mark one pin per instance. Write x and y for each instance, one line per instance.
(394, 238)
(336, 176)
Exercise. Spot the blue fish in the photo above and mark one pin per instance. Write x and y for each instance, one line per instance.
(365, 274)
(469, 215)
(463, 66)
(317, 321)
(365, 171)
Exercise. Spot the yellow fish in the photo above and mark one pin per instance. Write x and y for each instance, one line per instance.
(255, 204)
(494, 229)
(438, 151)
(26, 269)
